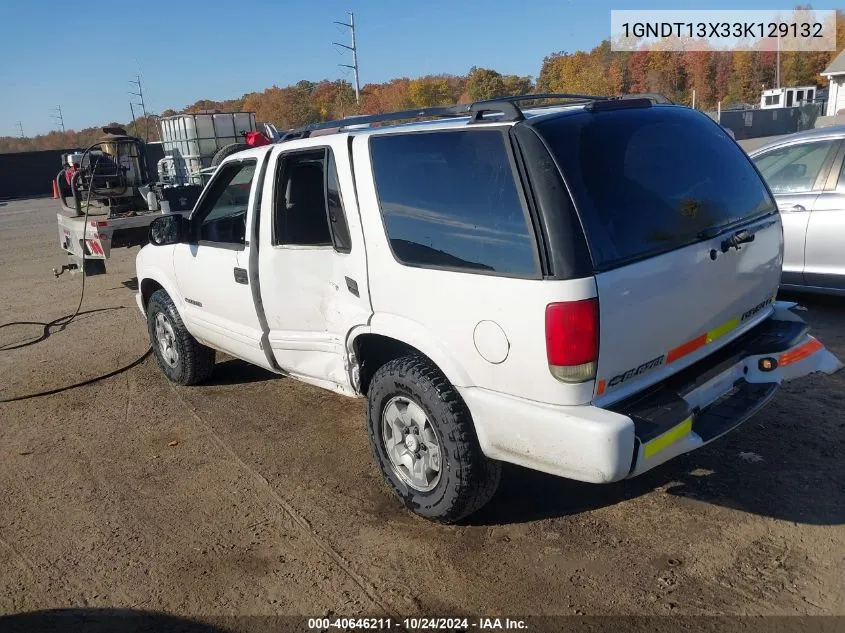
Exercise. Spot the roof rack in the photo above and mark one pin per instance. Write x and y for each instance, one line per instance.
(506, 106)
(366, 119)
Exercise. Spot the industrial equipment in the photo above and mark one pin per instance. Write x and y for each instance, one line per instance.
(110, 192)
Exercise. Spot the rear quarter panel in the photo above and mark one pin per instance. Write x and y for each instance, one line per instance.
(449, 315)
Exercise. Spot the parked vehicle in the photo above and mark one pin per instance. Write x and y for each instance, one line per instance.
(586, 289)
(806, 174)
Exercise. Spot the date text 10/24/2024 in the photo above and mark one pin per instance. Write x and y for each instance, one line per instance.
(417, 624)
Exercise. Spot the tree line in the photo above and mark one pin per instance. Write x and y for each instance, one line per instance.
(714, 76)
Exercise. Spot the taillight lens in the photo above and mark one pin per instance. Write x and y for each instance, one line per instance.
(572, 339)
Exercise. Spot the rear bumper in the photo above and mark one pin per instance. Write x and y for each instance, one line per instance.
(684, 412)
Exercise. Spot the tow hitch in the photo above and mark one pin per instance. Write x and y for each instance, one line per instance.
(65, 267)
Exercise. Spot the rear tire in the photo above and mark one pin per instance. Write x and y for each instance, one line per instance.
(182, 358)
(226, 151)
(462, 479)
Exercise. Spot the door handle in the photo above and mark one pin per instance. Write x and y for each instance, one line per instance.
(241, 276)
(797, 208)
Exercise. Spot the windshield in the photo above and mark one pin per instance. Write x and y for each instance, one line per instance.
(649, 180)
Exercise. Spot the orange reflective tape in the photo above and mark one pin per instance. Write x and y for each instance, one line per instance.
(600, 389)
(801, 352)
(687, 348)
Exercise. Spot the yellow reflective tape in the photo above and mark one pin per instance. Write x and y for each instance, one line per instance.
(668, 438)
(723, 329)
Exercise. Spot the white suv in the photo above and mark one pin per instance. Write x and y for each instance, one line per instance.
(586, 289)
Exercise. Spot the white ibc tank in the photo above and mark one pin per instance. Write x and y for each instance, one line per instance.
(197, 137)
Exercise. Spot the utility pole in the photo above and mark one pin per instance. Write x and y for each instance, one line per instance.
(134, 125)
(354, 49)
(58, 117)
(20, 127)
(140, 95)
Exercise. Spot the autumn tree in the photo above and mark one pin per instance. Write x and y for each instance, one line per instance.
(391, 96)
(744, 85)
(430, 91)
(484, 83)
(700, 67)
(334, 99)
(638, 71)
(723, 67)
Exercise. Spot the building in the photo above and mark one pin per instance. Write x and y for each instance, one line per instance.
(787, 97)
(835, 73)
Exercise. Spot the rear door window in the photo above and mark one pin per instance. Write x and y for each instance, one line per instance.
(450, 200)
(649, 180)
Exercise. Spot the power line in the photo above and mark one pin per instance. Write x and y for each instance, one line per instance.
(59, 117)
(354, 49)
(140, 95)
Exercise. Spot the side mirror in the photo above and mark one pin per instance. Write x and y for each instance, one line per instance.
(168, 229)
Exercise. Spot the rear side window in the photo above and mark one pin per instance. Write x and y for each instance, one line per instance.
(649, 180)
(309, 205)
(449, 200)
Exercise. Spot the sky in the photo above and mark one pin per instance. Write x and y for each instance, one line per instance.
(81, 56)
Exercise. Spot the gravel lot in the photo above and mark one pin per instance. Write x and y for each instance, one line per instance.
(255, 494)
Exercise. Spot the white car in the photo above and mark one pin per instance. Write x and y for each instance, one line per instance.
(586, 289)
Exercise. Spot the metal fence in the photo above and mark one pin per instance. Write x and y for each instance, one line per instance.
(31, 174)
(747, 124)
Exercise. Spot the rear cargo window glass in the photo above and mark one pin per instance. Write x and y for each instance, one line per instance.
(449, 200)
(648, 180)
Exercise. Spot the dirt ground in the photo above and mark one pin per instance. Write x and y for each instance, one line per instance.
(257, 495)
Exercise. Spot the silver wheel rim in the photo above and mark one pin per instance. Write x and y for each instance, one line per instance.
(166, 340)
(411, 444)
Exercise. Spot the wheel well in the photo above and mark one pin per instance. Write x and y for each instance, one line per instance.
(148, 287)
(374, 350)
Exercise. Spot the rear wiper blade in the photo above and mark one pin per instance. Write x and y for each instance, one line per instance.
(713, 231)
(716, 231)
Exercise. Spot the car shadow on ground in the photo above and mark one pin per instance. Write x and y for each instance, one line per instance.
(234, 371)
(130, 284)
(831, 308)
(102, 621)
(720, 475)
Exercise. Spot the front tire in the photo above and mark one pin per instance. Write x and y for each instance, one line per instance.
(182, 358)
(424, 441)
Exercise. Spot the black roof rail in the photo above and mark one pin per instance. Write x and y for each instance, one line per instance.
(651, 96)
(543, 95)
(366, 119)
(507, 106)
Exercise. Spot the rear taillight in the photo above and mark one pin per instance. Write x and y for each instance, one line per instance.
(572, 339)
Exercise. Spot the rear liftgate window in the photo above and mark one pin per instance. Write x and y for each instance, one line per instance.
(646, 181)
(449, 200)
